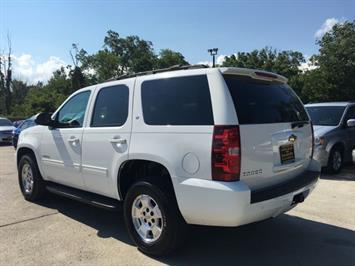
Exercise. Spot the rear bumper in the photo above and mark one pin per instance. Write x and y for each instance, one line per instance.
(207, 202)
(287, 187)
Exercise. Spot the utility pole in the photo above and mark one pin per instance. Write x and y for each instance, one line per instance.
(213, 52)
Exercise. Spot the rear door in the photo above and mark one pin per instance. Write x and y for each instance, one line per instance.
(106, 137)
(275, 132)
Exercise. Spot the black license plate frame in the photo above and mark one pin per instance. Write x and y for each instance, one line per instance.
(287, 153)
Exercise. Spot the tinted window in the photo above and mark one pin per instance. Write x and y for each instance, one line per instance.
(111, 107)
(325, 115)
(262, 102)
(177, 101)
(5, 122)
(73, 112)
(350, 114)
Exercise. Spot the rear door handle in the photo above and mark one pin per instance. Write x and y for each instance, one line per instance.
(73, 139)
(118, 140)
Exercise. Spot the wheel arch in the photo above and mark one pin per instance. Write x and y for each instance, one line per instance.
(338, 144)
(132, 170)
(25, 149)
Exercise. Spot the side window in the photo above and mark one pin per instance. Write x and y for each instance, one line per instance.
(111, 107)
(350, 114)
(177, 101)
(73, 112)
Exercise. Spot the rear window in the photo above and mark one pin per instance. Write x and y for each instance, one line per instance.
(263, 102)
(177, 101)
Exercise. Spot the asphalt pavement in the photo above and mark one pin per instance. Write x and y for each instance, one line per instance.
(59, 231)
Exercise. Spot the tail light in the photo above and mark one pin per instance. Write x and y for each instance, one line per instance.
(226, 153)
(312, 140)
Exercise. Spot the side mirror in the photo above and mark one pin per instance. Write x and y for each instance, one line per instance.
(45, 119)
(351, 123)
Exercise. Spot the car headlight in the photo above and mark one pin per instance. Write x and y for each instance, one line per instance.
(320, 141)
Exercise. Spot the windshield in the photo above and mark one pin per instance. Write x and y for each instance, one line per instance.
(263, 102)
(326, 115)
(5, 123)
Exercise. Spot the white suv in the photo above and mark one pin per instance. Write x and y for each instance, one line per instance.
(194, 145)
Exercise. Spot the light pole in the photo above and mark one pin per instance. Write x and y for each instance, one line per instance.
(213, 52)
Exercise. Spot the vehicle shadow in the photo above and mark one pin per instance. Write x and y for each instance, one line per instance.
(346, 174)
(107, 223)
(286, 240)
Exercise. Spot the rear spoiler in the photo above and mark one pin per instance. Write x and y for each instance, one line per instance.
(255, 74)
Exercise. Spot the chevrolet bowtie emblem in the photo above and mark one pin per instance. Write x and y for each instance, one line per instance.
(292, 138)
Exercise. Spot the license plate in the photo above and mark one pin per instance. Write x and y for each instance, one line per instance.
(287, 154)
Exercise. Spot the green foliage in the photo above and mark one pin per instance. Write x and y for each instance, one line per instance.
(334, 79)
(126, 55)
(19, 92)
(104, 63)
(119, 56)
(168, 58)
(285, 63)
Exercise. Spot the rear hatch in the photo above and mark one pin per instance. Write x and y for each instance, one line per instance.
(275, 131)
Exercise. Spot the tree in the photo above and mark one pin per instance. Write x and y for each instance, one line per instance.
(76, 75)
(334, 79)
(104, 63)
(125, 55)
(168, 58)
(19, 92)
(119, 56)
(285, 63)
(2, 87)
(6, 79)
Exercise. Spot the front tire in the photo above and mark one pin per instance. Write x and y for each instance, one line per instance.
(335, 161)
(30, 180)
(153, 219)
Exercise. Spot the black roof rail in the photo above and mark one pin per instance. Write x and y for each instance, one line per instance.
(155, 71)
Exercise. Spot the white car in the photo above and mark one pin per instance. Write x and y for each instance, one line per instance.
(6, 128)
(205, 146)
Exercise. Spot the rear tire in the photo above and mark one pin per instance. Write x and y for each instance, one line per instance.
(30, 180)
(153, 219)
(335, 161)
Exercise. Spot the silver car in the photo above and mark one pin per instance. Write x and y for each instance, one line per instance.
(334, 131)
(6, 129)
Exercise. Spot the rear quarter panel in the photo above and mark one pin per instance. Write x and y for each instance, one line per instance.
(184, 150)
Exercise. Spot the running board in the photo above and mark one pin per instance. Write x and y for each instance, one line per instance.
(84, 196)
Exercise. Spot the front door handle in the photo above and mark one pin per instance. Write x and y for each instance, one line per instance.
(118, 140)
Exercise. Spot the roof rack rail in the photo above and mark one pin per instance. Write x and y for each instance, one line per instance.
(155, 71)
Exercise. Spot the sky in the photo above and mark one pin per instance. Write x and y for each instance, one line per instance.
(42, 31)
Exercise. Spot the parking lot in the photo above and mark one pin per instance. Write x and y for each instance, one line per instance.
(58, 231)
